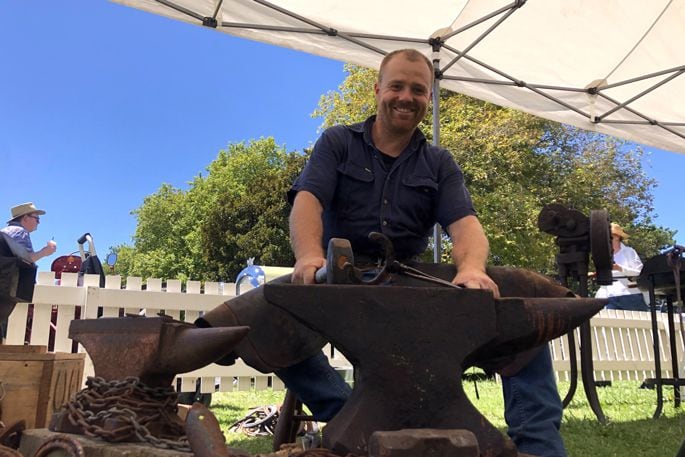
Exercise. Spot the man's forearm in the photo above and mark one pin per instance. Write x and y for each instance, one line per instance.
(306, 226)
(37, 255)
(470, 247)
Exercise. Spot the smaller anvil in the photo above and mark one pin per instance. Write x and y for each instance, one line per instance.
(410, 346)
(153, 349)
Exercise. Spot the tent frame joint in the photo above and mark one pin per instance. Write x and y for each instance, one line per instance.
(209, 22)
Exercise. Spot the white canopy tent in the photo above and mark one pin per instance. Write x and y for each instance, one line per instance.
(612, 66)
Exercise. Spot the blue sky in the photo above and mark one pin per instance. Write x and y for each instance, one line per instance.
(100, 104)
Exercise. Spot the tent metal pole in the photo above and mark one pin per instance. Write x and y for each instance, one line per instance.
(437, 235)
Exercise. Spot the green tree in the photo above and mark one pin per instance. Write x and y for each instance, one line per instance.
(236, 211)
(160, 239)
(253, 223)
(515, 163)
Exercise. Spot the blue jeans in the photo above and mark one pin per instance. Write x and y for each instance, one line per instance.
(533, 409)
(631, 302)
(318, 385)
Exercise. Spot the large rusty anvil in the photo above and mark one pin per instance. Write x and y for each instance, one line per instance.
(410, 346)
(153, 349)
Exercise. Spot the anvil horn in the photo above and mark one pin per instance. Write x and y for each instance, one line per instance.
(153, 349)
(524, 323)
(194, 348)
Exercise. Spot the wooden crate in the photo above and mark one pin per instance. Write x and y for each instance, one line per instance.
(35, 383)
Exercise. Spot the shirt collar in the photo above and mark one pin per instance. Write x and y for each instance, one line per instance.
(417, 139)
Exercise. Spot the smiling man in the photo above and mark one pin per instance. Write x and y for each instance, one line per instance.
(382, 175)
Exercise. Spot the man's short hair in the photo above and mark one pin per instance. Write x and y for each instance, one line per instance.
(411, 54)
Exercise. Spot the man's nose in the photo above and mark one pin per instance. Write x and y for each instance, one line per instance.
(405, 94)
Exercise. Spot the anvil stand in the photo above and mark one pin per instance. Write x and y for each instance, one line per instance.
(573, 261)
(659, 381)
(655, 273)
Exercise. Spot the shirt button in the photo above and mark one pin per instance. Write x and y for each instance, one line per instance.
(385, 222)
(385, 201)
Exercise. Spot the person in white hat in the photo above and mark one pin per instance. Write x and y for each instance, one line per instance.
(24, 220)
(627, 264)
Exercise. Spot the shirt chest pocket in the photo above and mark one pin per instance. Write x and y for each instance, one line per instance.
(355, 187)
(420, 185)
(417, 198)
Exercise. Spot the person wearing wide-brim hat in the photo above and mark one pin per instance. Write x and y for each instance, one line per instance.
(24, 219)
(622, 293)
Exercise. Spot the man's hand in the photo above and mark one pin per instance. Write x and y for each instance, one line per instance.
(305, 269)
(470, 253)
(476, 279)
(47, 250)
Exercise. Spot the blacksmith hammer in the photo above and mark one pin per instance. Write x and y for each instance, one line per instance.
(339, 268)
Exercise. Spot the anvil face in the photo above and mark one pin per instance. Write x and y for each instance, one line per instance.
(410, 345)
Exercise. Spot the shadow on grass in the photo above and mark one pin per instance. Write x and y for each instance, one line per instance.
(226, 408)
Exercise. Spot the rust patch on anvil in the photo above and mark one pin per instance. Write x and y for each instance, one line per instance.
(524, 323)
(153, 349)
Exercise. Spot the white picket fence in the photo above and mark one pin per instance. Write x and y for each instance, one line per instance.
(622, 340)
(622, 347)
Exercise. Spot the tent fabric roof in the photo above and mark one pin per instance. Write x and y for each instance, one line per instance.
(612, 66)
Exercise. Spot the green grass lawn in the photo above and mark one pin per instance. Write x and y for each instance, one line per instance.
(630, 431)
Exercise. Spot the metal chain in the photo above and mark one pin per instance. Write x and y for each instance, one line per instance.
(125, 410)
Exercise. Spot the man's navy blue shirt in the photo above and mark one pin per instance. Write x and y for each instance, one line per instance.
(359, 195)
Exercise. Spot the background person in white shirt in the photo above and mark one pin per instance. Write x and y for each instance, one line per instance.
(627, 264)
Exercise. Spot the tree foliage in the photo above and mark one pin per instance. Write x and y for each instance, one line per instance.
(236, 211)
(515, 163)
